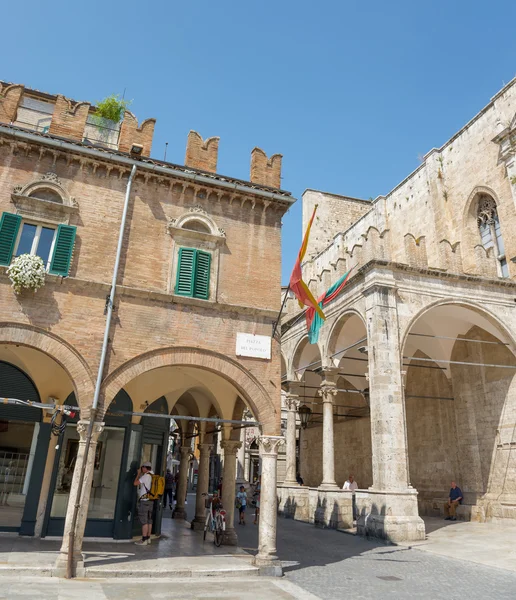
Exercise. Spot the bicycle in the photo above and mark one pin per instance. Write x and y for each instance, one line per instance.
(215, 521)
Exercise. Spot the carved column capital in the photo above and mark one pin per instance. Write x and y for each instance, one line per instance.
(328, 387)
(185, 452)
(230, 446)
(82, 429)
(269, 444)
(292, 402)
(205, 448)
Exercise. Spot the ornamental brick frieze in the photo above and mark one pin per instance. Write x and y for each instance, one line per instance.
(185, 192)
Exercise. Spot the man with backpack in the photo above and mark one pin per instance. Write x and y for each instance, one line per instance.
(145, 505)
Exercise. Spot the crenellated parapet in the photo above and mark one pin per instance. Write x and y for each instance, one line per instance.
(10, 96)
(134, 136)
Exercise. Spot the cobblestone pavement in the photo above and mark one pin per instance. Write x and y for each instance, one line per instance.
(333, 565)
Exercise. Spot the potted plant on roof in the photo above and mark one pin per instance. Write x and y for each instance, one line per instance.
(27, 272)
(108, 114)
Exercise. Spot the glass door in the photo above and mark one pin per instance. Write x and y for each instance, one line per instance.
(17, 450)
(104, 488)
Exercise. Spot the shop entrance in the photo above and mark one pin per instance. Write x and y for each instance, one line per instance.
(22, 452)
(111, 475)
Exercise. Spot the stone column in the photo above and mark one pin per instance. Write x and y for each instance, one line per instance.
(230, 448)
(292, 405)
(328, 391)
(266, 558)
(392, 512)
(179, 511)
(203, 481)
(78, 561)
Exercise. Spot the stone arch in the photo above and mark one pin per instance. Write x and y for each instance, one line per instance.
(337, 325)
(58, 350)
(252, 391)
(480, 309)
(312, 351)
(460, 398)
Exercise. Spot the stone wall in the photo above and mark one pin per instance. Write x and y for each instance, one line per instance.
(332, 509)
(434, 205)
(352, 452)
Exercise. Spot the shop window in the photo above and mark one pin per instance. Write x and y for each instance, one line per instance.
(193, 273)
(491, 233)
(106, 473)
(54, 244)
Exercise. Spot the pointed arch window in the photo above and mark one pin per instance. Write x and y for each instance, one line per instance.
(491, 232)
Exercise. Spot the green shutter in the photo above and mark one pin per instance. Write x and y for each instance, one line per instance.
(202, 275)
(185, 271)
(9, 226)
(63, 250)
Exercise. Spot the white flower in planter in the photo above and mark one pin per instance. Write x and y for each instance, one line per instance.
(27, 272)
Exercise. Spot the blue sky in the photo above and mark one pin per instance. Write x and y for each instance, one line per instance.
(351, 93)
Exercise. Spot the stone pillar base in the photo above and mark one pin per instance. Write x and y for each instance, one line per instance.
(179, 513)
(292, 483)
(269, 566)
(230, 538)
(61, 566)
(389, 515)
(198, 524)
(329, 487)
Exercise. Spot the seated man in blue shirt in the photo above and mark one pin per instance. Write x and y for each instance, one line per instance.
(454, 500)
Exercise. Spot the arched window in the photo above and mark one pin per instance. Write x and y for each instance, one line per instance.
(490, 231)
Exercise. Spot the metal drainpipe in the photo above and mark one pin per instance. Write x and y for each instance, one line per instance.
(93, 412)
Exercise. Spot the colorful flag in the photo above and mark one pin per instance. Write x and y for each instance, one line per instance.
(297, 285)
(313, 321)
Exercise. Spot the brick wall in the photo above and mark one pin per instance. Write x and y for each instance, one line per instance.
(73, 309)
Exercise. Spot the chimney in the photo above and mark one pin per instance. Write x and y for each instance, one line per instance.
(202, 154)
(10, 96)
(134, 139)
(265, 171)
(69, 120)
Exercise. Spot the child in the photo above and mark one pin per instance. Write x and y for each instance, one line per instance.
(241, 502)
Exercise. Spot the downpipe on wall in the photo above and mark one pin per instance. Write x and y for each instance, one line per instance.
(93, 412)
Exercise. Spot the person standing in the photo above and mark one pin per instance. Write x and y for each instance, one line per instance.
(241, 503)
(143, 482)
(169, 489)
(351, 485)
(454, 499)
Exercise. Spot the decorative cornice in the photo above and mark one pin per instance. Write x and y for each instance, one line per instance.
(150, 170)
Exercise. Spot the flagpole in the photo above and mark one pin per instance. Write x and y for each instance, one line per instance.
(280, 312)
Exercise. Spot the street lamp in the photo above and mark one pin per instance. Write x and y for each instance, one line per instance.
(304, 414)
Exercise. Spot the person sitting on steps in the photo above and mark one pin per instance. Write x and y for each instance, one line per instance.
(454, 499)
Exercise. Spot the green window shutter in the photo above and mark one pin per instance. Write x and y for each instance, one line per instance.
(202, 275)
(63, 250)
(185, 271)
(9, 226)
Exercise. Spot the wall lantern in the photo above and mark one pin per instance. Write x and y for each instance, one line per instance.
(304, 414)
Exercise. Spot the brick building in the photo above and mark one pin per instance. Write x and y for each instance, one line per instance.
(411, 383)
(199, 266)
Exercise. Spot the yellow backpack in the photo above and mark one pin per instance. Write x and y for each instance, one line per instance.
(157, 488)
